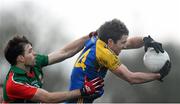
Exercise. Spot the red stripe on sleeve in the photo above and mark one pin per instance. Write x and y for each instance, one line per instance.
(17, 90)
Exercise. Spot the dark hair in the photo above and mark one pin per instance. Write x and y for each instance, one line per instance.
(14, 48)
(113, 29)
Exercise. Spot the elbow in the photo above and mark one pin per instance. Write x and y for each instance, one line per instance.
(135, 80)
(131, 80)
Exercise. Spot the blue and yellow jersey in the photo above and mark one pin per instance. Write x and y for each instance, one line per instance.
(94, 61)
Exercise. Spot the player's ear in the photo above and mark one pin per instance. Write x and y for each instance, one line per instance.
(20, 58)
(110, 42)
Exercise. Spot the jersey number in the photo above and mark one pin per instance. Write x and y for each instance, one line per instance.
(81, 60)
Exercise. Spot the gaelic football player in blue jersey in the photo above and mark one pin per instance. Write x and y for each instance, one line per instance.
(100, 55)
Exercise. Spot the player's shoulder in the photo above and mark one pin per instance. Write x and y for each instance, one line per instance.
(106, 56)
(18, 78)
(14, 82)
(103, 50)
(17, 75)
(91, 42)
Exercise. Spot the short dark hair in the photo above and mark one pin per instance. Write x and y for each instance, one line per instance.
(14, 48)
(113, 29)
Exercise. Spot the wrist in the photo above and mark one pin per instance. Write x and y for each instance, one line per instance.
(147, 39)
(79, 91)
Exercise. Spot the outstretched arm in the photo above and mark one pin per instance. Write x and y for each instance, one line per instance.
(137, 42)
(54, 97)
(68, 51)
(89, 88)
(134, 42)
(135, 77)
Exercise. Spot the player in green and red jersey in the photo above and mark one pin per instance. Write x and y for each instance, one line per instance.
(25, 78)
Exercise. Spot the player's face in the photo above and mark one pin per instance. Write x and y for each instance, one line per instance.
(120, 44)
(29, 56)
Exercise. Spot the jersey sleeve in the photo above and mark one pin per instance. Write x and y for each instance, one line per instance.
(107, 58)
(19, 90)
(41, 60)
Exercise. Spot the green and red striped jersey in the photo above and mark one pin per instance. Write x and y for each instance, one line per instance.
(20, 86)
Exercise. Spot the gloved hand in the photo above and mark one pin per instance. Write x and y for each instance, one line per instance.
(91, 34)
(91, 87)
(165, 70)
(149, 42)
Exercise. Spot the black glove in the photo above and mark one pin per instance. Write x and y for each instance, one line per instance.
(91, 87)
(149, 42)
(165, 70)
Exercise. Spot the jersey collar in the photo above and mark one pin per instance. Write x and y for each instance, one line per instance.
(17, 70)
(102, 43)
(105, 45)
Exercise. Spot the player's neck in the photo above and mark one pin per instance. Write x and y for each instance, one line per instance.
(23, 67)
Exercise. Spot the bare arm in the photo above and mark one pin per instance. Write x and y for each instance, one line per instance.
(135, 77)
(68, 51)
(54, 97)
(134, 42)
(89, 88)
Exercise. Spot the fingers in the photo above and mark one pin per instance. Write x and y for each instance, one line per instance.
(97, 91)
(156, 45)
(145, 49)
(167, 64)
(166, 69)
(99, 86)
(156, 48)
(98, 82)
(160, 48)
(96, 79)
